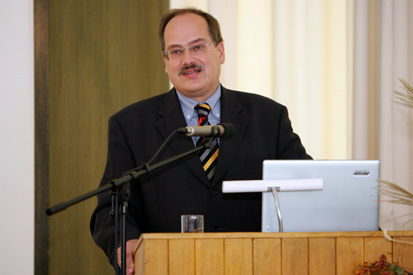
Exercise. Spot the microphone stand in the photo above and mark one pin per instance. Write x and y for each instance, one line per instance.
(274, 191)
(121, 186)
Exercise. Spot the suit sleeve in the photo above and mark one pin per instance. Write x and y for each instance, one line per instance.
(102, 225)
(289, 143)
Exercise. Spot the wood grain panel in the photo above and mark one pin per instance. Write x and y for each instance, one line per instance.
(295, 256)
(349, 255)
(41, 97)
(139, 258)
(103, 55)
(181, 257)
(238, 256)
(322, 256)
(209, 256)
(267, 256)
(375, 247)
(283, 253)
(403, 252)
(156, 258)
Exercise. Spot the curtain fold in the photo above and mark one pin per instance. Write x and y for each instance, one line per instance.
(335, 65)
(296, 53)
(382, 128)
(396, 137)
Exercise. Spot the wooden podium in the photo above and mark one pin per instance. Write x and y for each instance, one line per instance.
(268, 253)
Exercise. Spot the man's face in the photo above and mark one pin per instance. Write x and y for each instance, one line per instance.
(194, 75)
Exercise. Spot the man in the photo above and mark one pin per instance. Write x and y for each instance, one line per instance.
(193, 52)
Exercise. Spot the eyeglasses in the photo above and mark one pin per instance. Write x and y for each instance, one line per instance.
(176, 53)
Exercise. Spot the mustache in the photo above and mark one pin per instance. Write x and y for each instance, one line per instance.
(192, 66)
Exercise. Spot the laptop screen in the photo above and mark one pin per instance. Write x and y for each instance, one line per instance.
(348, 201)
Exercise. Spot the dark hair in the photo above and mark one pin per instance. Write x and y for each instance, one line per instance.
(213, 24)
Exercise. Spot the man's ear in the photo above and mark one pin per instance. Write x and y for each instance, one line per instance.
(221, 50)
(164, 61)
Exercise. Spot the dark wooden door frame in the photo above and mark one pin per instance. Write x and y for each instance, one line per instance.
(41, 79)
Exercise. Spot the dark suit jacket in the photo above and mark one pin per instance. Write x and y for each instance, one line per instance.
(263, 131)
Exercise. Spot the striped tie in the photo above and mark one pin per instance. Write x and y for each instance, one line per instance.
(208, 156)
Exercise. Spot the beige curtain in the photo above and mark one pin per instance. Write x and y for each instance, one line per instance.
(383, 129)
(294, 52)
(335, 65)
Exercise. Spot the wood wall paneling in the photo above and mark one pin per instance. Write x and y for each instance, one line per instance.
(267, 256)
(209, 251)
(101, 56)
(312, 253)
(156, 259)
(403, 253)
(295, 256)
(181, 257)
(322, 256)
(350, 253)
(238, 256)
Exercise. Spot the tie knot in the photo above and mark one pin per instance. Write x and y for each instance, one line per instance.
(203, 109)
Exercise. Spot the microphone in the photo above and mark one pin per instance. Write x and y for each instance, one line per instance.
(224, 130)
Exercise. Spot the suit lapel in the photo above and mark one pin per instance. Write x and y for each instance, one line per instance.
(231, 112)
(170, 119)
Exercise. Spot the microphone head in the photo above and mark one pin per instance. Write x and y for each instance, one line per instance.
(229, 130)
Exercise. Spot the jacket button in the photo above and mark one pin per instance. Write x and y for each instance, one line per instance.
(214, 192)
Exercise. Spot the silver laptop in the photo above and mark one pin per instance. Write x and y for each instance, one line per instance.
(348, 201)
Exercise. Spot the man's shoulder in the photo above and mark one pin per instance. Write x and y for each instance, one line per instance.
(251, 99)
(145, 106)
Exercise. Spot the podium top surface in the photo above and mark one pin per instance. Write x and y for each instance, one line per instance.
(260, 235)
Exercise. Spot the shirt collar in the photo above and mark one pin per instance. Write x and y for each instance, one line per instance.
(188, 104)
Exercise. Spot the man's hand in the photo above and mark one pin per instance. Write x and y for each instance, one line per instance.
(130, 245)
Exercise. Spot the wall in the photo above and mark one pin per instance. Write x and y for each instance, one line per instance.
(17, 137)
(92, 59)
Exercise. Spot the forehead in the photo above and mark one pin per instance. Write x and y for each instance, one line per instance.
(185, 28)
